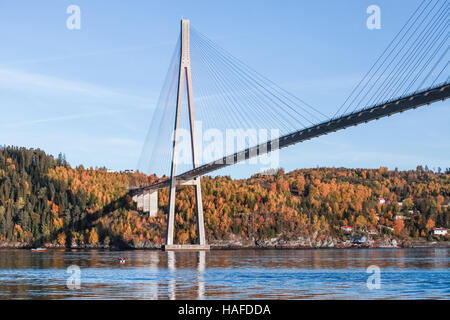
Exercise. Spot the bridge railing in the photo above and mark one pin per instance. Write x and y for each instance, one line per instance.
(417, 92)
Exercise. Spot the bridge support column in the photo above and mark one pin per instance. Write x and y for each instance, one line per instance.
(140, 201)
(171, 215)
(153, 203)
(146, 201)
(199, 213)
(185, 74)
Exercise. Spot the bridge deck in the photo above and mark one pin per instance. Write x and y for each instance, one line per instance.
(412, 101)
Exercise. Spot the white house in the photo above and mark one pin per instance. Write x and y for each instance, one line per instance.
(439, 231)
(381, 201)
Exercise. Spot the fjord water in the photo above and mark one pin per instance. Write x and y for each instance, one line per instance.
(420, 273)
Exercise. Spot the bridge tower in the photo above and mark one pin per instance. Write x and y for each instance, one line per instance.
(185, 75)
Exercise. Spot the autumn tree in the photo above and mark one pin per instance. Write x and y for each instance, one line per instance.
(430, 224)
(398, 226)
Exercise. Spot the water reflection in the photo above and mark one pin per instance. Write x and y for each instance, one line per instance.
(440, 258)
(171, 266)
(153, 267)
(267, 274)
(200, 276)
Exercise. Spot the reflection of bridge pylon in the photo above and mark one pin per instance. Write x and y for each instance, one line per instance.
(185, 73)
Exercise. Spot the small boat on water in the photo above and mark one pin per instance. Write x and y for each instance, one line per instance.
(38, 249)
(122, 260)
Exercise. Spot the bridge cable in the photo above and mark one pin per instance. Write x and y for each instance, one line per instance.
(372, 86)
(379, 58)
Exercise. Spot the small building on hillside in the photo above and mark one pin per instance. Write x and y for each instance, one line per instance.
(439, 231)
(347, 228)
(381, 201)
(359, 239)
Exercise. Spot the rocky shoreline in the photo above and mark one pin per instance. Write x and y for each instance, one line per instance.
(301, 243)
(326, 244)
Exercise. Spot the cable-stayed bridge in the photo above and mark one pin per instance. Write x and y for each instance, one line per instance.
(228, 94)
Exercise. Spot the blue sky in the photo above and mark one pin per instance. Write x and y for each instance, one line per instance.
(90, 93)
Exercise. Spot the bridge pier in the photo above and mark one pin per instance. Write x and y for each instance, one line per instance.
(147, 201)
(185, 247)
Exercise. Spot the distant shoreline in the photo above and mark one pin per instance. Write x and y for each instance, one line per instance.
(223, 246)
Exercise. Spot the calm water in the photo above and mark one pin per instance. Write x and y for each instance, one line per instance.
(244, 274)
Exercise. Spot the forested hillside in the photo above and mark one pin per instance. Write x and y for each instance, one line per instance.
(44, 201)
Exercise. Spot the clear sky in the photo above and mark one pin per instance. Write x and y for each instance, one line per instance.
(90, 93)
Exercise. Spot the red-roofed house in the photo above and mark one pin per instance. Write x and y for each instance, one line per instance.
(347, 228)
